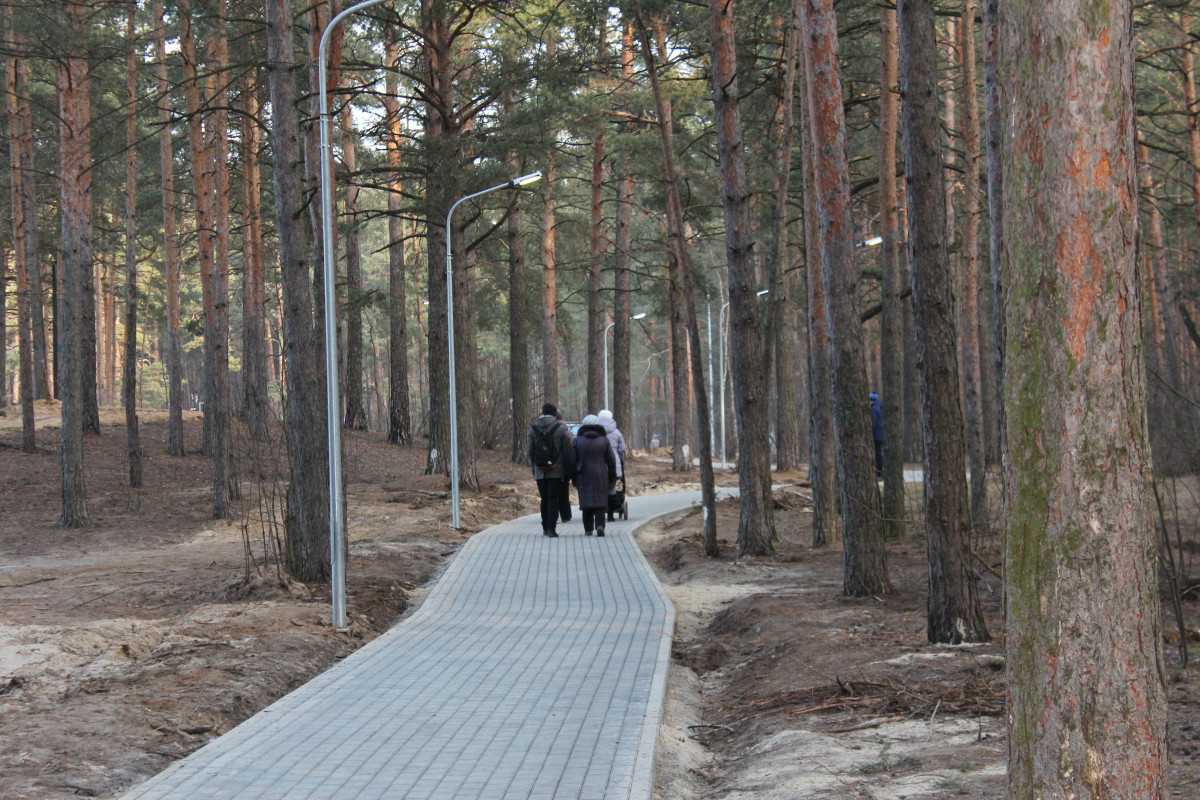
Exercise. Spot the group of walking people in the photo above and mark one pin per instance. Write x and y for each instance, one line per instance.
(593, 458)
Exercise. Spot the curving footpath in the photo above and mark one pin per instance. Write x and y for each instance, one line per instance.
(535, 669)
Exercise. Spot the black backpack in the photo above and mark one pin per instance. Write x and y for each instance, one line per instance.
(545, 446)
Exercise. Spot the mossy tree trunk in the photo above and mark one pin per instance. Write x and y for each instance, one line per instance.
(1087, 711)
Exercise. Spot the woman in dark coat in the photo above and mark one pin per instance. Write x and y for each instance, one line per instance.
(595, 469)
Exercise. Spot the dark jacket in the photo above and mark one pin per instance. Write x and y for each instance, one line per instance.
(877, 419)
(562, 438)
(595, 465)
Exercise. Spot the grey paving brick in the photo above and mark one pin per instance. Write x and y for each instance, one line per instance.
(535, 668)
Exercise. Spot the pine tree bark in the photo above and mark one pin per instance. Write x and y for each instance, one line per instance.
(972, 368)
(892, 323)
(787, 403)
(622, 386)
(255, 397)
(133, 444)
(863, 549)
(1086, 700)
(399, 423)
(356, 418)
(217, 277)
(307, 521)
(756, 526)
(995, 199)
(18, 175)
(827, 522)
(22, 151)
(518, 327)
(166, 150)
(75, 187)
(954, 614)
(597, 379)
(550, 356)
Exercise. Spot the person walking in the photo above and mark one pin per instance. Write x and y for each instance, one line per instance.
(616, 440)
(595, 471)
(877, 432)
(548, 444)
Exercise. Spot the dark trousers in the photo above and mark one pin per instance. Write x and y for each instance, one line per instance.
(593, 518)
(879, 460)
(552, 491)
(564, 500)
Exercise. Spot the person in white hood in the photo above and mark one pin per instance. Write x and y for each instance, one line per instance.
(616, 441)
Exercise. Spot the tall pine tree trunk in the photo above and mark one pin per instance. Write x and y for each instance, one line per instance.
(166, 150)
(307, 522)
(129, 375)
(597, 379)
(75, 185)
(892, 324)
(756, 526)
(972, 369)
(255, 397)
(18, 175)
(865, 557)
(399, 423)
(518, 326)
(827, 521)
(550, 357)
(622, 386)
(787, 406)
(995, 200)
(356, 418)
(954, 614)
(1086, 701)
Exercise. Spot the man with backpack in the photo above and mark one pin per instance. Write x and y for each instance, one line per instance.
(548, 445)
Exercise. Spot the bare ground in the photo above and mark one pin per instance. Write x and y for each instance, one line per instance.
(128, 645)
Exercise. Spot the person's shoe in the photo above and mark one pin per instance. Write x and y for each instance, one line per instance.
(600, 532)
(610, 516)
(586, 532)
(549, 532)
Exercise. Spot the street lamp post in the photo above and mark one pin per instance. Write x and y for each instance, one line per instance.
(515, 182)
(337, 520)
(605, 337)
(721, 343)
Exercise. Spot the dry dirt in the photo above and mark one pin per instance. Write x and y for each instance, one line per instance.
(128, 645)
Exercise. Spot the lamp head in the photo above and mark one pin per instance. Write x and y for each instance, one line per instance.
(526, 179)
(761, 292)
(872, 242)
(639, 316)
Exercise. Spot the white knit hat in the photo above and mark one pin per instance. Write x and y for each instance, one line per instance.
(606, 414)
(590, 419)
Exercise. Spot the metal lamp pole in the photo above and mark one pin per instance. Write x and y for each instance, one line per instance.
(337, 518)
(515, 182)
(605, 337)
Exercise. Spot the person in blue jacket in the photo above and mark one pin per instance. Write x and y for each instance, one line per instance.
(877, 433)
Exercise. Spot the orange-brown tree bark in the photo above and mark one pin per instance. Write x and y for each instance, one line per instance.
(1086, 700)
(783, 285)
(15, 88)
(827, 521)
(597, 249)
(255, 398)
(862, 543)
(892, 323)
(622, 386)
(399, 418)
(971, 360)
(356, 417)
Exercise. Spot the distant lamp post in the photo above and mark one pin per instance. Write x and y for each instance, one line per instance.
(337, 513)
(605, 337)
(721, 358)
(514, 183)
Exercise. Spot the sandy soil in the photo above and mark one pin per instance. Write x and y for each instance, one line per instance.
(133, 643)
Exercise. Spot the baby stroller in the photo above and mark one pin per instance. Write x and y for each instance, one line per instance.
(617, 505)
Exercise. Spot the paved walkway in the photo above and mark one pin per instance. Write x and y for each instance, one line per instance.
(535, 669)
